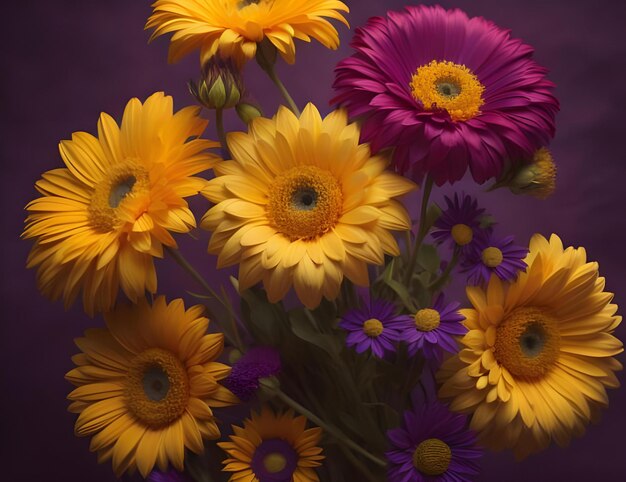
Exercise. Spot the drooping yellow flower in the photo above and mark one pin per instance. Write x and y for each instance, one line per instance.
(101, 219)
(538, 356)
(145, 385)
(234, 27)
(273, 447)
(302, 203)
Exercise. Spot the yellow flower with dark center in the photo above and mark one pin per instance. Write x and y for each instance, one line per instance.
(538, 356)
(146, 385)
(273, 447)
(234, 27)
(302, 203)
(102, 219)
(449, 86)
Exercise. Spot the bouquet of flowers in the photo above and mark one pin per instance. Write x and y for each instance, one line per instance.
(335, 352)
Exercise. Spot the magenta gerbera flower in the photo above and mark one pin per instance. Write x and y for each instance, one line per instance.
(490, 255)
(433, 445)
(459, 223)
(434, 329)
(447, 91)
(375, 326)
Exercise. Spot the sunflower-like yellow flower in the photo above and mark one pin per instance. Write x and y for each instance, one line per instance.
(234, 27)
(273, 447)
(539, 352)
(302, 203)
(145, 385)
(101, 219)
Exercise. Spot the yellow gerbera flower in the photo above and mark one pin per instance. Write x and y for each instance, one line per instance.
(101, 220)
(538, 355)
(146, 385)
(234, 27)
(303, 203)
(273, 447)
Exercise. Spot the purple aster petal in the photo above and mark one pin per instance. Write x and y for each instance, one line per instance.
(257, 363)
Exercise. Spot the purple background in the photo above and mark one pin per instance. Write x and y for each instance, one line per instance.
(66, 61)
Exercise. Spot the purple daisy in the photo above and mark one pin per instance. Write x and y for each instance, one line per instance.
(169, 476)
(433, 330)
(258, 362)
(491, 255)
(433, 445)
(459, 222)
(447, 91)
(376, 327)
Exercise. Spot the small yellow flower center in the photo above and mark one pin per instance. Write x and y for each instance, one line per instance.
(372, 327)
(491, 257)
(157, 387)
(304, 202)
(527, 342)
(274, 462)
(449, 86)
(462, 234)
(427, 319)
(432, 457)
(122, 182)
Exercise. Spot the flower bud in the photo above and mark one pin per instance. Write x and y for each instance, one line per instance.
(248, 112)
(537, 178)
(221, 85)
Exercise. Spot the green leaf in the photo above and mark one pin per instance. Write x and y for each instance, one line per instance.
(402, 292)
(302, 325)
(428, 258)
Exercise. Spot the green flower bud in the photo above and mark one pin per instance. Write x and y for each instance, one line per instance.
(248, 112)
(221, 85)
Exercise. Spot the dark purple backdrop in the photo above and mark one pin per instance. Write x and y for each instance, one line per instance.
(66, 61)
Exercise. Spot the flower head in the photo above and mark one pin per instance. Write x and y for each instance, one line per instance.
(434, 329)
(146, 385)
(433, 444)
(221, 86)
(490, 255)
(257, 363)
(273, 448)
(102, 219)
(303, 203)
(375, 327)
(539, 352)
(460, 222)
(538, 178)
(447, 91)
(233, 28)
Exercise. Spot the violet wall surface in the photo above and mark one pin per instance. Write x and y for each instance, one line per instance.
(66, 61)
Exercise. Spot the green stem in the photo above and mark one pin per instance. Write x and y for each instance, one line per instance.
(438, 283)
(183, 263)
(367, 473)
(332, 430)
(268, 67)
(421, 233)
(221, 133)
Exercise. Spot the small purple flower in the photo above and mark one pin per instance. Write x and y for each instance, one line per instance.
(433, 330)
(491, 255)
(433, 445)
(376, 327)
(169, 476)
(459, 223)
(258, 362)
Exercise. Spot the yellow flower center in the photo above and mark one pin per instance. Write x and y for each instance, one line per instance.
(304, 202)
(449, 86)
(492, 257)
(427, 319)
(432, 457)
(527, 342)
(274, 462)
(462, 234)
(372, 327)
(123, 181)
(157, 387)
